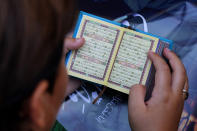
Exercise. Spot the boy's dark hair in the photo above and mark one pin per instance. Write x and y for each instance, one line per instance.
(31, 41)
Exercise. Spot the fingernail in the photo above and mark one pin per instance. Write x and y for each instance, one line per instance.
(167, 49)
(79, 40)
(150, 52)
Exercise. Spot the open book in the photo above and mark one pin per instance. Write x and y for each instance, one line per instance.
(113, 55)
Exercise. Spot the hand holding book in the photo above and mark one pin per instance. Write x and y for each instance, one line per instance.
(117, 57)
(163, 111)
(72, 44)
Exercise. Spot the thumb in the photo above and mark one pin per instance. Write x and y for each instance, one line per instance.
(136, 99)
(73, 44)
(136, 105)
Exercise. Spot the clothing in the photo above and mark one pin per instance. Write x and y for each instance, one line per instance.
(57, 127)
(137, 5)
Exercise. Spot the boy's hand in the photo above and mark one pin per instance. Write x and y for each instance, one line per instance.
(163, 111)
(72, 44)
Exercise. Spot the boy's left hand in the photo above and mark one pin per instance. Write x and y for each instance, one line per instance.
(72, 44)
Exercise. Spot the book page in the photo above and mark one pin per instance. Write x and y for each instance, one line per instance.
(93, 58)
(131, 60)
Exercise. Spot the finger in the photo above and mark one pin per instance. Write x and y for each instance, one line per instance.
(163, 75)
(73, 44)
(136, 99)
(179, 76)
(186, 86)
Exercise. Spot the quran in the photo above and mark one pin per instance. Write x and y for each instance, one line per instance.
(113, 55)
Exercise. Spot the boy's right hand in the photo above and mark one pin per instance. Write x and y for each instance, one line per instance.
(163, 111)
